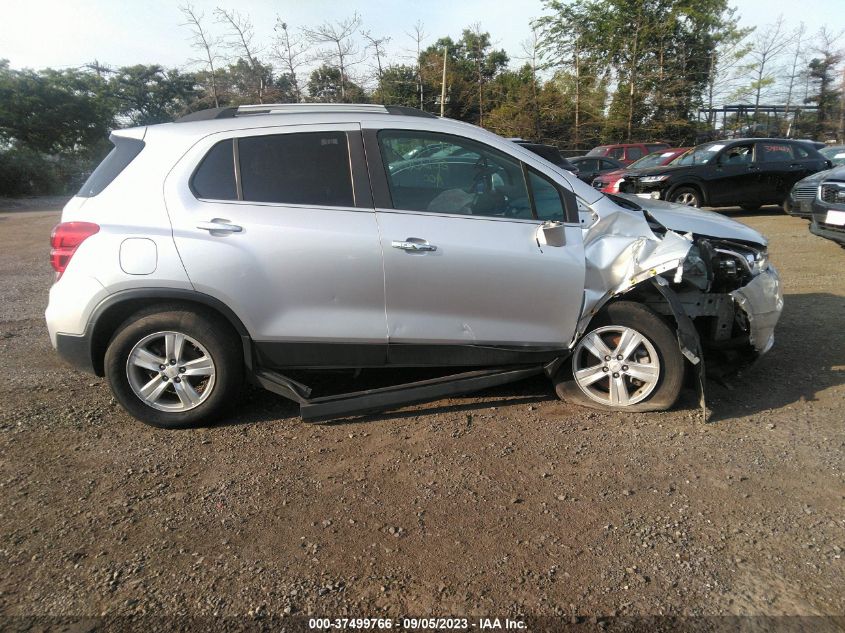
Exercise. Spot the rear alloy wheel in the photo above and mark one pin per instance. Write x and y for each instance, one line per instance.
(629, 360)
(170, 371)
(687, 195)
(174, 368)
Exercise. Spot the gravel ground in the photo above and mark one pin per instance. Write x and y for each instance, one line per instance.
(507, 504)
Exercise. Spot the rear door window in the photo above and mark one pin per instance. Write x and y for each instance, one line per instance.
(774, 152)
(309, 168)
(634, 153)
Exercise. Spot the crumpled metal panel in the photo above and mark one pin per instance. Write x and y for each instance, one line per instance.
(762, 302)
(621, 251)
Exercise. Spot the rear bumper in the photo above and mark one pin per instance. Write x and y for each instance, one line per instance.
(76, 350)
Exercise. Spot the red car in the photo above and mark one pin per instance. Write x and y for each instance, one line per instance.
(627, 153)
(609, 182)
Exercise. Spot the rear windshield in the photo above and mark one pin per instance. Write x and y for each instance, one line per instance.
(601, 150)
(124, 152)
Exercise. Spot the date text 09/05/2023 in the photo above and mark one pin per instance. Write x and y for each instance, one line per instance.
(415, 624)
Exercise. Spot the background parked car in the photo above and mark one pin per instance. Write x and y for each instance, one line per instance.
(609, 181)
(828, 219)
(591, 166)
(550, 153)
(800, 199)
(835, 154)
(627, 153)
(744, 172)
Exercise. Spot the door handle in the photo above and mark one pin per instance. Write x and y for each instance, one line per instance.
(413, 244)
(218, 224)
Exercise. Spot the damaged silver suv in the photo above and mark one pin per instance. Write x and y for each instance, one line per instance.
(260, 241)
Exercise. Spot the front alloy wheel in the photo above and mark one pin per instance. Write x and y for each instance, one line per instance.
(616, 366)
(628, 360)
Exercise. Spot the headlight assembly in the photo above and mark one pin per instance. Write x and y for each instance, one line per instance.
(652, 179)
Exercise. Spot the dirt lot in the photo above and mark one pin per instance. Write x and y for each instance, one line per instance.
(512, 503)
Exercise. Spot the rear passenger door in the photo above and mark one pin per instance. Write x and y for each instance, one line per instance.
(278, 223)
(469, 276)
(779, 170)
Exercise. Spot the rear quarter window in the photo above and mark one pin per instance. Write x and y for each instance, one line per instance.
(214, 178)
(124, 152)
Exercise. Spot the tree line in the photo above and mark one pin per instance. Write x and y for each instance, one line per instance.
(592, 72)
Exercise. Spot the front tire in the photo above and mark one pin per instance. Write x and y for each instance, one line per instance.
(173, 368)
(689, 196)
(629, 360)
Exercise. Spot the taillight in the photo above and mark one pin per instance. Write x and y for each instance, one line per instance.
(65, 239)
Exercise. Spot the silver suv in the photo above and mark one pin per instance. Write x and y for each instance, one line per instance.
(259, 241)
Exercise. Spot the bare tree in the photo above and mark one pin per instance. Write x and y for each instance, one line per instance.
(204, 42)
(292, 53)
(797, 53)
(418, 35)
(766, 50)
(342, 51)
(530, 48)
(377, 44)
(241, 39)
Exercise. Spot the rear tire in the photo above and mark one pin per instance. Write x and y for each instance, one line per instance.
(650, 373)
(689, 196)
(173, 368)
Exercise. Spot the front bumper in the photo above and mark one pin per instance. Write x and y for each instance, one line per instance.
(762, 302)
(819, 226)
(799, 208)
(828, 232)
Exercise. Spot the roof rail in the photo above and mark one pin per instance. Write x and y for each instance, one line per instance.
(294, 108)
(290, 108)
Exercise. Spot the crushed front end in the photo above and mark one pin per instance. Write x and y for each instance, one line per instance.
(706, 272)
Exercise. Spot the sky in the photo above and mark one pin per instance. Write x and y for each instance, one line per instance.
(70, 33)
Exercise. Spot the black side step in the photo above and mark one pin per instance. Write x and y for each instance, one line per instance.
(282, 385)
(374, 400)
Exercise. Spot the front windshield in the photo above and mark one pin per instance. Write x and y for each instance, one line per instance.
(655, 159)
(700, 155)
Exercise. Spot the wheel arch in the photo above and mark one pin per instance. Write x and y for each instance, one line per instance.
(117, 307)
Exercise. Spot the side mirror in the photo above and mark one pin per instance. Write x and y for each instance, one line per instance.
(551, 234)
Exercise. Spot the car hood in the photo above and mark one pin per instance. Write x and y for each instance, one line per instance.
(837, 173)
(660, 170)
(684, 219)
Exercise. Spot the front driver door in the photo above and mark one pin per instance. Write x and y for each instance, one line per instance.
(735, 176)
(465, 261)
